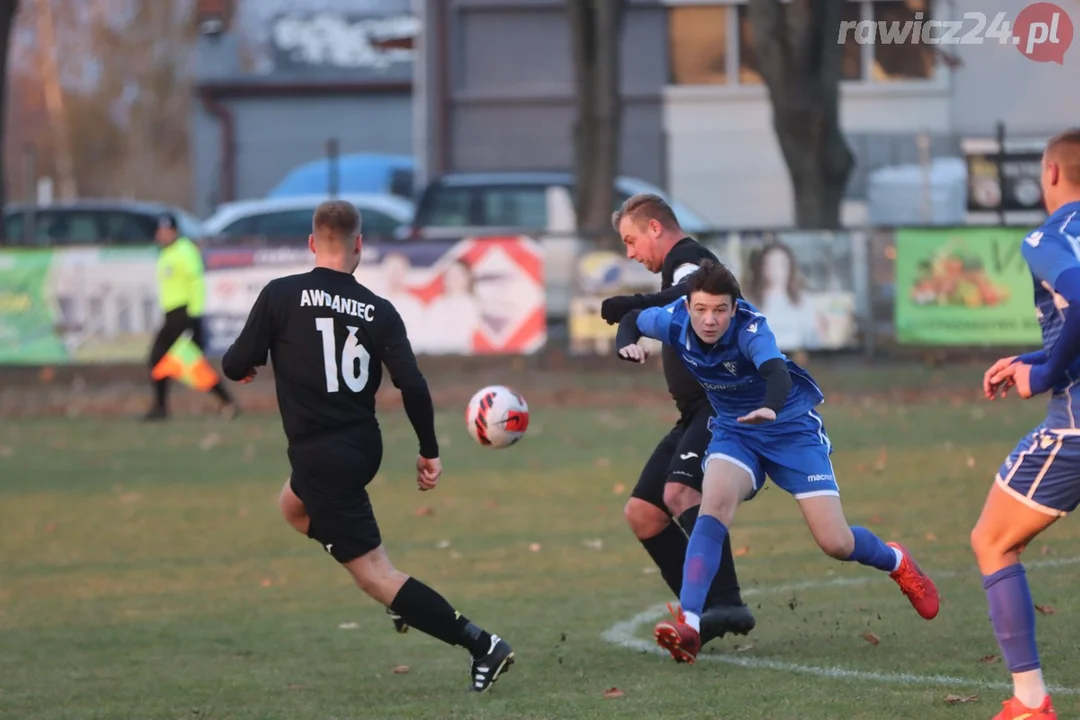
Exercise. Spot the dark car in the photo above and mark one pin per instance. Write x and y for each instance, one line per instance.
(90, 222)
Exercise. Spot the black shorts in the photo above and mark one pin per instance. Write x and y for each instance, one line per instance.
(330, 475)
(177, 322)
(677, 458)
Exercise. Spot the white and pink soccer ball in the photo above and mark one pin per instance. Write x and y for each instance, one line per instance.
(497, 417)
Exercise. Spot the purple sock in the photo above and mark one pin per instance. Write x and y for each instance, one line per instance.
(1012, 613)
(702, 562)
(870, 550)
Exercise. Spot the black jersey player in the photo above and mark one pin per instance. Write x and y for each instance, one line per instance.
(328, 337)
(670, 482)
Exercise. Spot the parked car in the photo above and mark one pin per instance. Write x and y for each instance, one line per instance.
(461, 204)
(91, 222)
(290, 217)
(356, 173)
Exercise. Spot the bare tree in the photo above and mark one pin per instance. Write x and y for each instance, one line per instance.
(800, 60)
(8, 10)
(596, 30)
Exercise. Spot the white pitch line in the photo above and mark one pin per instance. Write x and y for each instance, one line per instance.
(623, 634)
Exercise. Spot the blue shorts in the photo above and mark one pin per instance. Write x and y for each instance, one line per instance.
(1043, 471)
(794, 453)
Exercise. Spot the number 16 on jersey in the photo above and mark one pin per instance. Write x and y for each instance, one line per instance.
(355, 359)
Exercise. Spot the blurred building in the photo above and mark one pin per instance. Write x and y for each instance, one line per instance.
(495, 91)
(276, 82)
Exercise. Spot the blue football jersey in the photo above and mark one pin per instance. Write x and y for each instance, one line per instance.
(1049, 251)
(729, 369)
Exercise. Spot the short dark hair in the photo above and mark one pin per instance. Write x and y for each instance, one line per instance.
(646, 206)
(1064, 148)
(168, 221)
(339, 217)
(713, 278)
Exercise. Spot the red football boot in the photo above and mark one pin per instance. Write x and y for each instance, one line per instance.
(678, 638)
(1016, 710)
(916, 584)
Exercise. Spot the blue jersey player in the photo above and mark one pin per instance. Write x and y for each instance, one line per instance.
(765, 423)
(1040, 480)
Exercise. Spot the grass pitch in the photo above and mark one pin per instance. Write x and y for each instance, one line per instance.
(146, 574)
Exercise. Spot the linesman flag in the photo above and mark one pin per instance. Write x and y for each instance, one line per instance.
(186, 363)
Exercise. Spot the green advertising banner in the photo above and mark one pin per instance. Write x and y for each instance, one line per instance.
(963, 286)
(76, 305)
(27, 322)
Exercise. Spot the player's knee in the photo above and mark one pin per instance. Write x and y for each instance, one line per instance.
(644, 518)
(839, 544)
(292, 509)
(679, 498)
(986, 540)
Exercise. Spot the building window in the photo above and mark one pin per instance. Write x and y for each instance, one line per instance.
(905, 60)
(697, 38)
(705, 52)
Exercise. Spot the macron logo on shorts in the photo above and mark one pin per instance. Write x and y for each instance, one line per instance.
(819, 478)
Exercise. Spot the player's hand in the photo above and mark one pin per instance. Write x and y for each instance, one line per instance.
(990, 387)
(634, 353)
(761, 415)
(428, 471)
(250, 376)
(1017, 375)
(613, 308)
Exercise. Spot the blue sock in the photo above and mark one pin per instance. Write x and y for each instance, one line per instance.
(702, 562)
(1012, 613)
(870, 550)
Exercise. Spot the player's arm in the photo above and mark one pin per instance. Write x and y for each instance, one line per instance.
(760, 346)
(400, 361)
(252, 345)
(615, 308)
(1052, 261)
(650, 322)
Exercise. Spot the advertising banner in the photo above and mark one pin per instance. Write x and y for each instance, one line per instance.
(804, 283)
(963, 286)
(471, 297)
(76, 305)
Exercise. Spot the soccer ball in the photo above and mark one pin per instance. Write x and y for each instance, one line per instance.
(497, 417)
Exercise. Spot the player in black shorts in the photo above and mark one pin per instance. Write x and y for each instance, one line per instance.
(328, 337)
(670, 482)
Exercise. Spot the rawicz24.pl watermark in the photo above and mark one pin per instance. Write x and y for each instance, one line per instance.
(1042, 31)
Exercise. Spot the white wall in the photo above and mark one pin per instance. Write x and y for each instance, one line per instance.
(724, 159)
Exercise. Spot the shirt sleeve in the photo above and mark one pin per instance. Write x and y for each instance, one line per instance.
(757, 342)
(400, 361)
(1048, 255)
(655, 323)
(252, 345)
(196, 279)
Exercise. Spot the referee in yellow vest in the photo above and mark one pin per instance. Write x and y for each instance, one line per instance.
(182, 294)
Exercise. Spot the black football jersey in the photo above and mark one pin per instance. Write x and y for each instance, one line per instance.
(328, 337)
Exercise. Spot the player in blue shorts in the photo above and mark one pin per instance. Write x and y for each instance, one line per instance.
(1040, 480)
(765, 424)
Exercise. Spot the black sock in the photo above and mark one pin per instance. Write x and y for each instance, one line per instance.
(161, 393)
(725, 586)
(430, 613)
(222, 393)
(668, 550)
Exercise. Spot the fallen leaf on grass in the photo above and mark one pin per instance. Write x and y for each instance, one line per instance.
(5, 451)
(953, 699)
(619, 489)
(931, 537)
(1046, 550)
(348, 626)
(989, 659)
(267, 582)
(603, 462)
(596, 544)
(970, 462)
(209, 441)
(1045, 609)
(401, 669)
(870, 638)
(743, 648)
(613, 692)
(242, 512)
(490, 505)
(294, 686)
(424, 511)
(442, 544)
(744, 550)
(876, 520)
(50, 527)
(534, 547)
